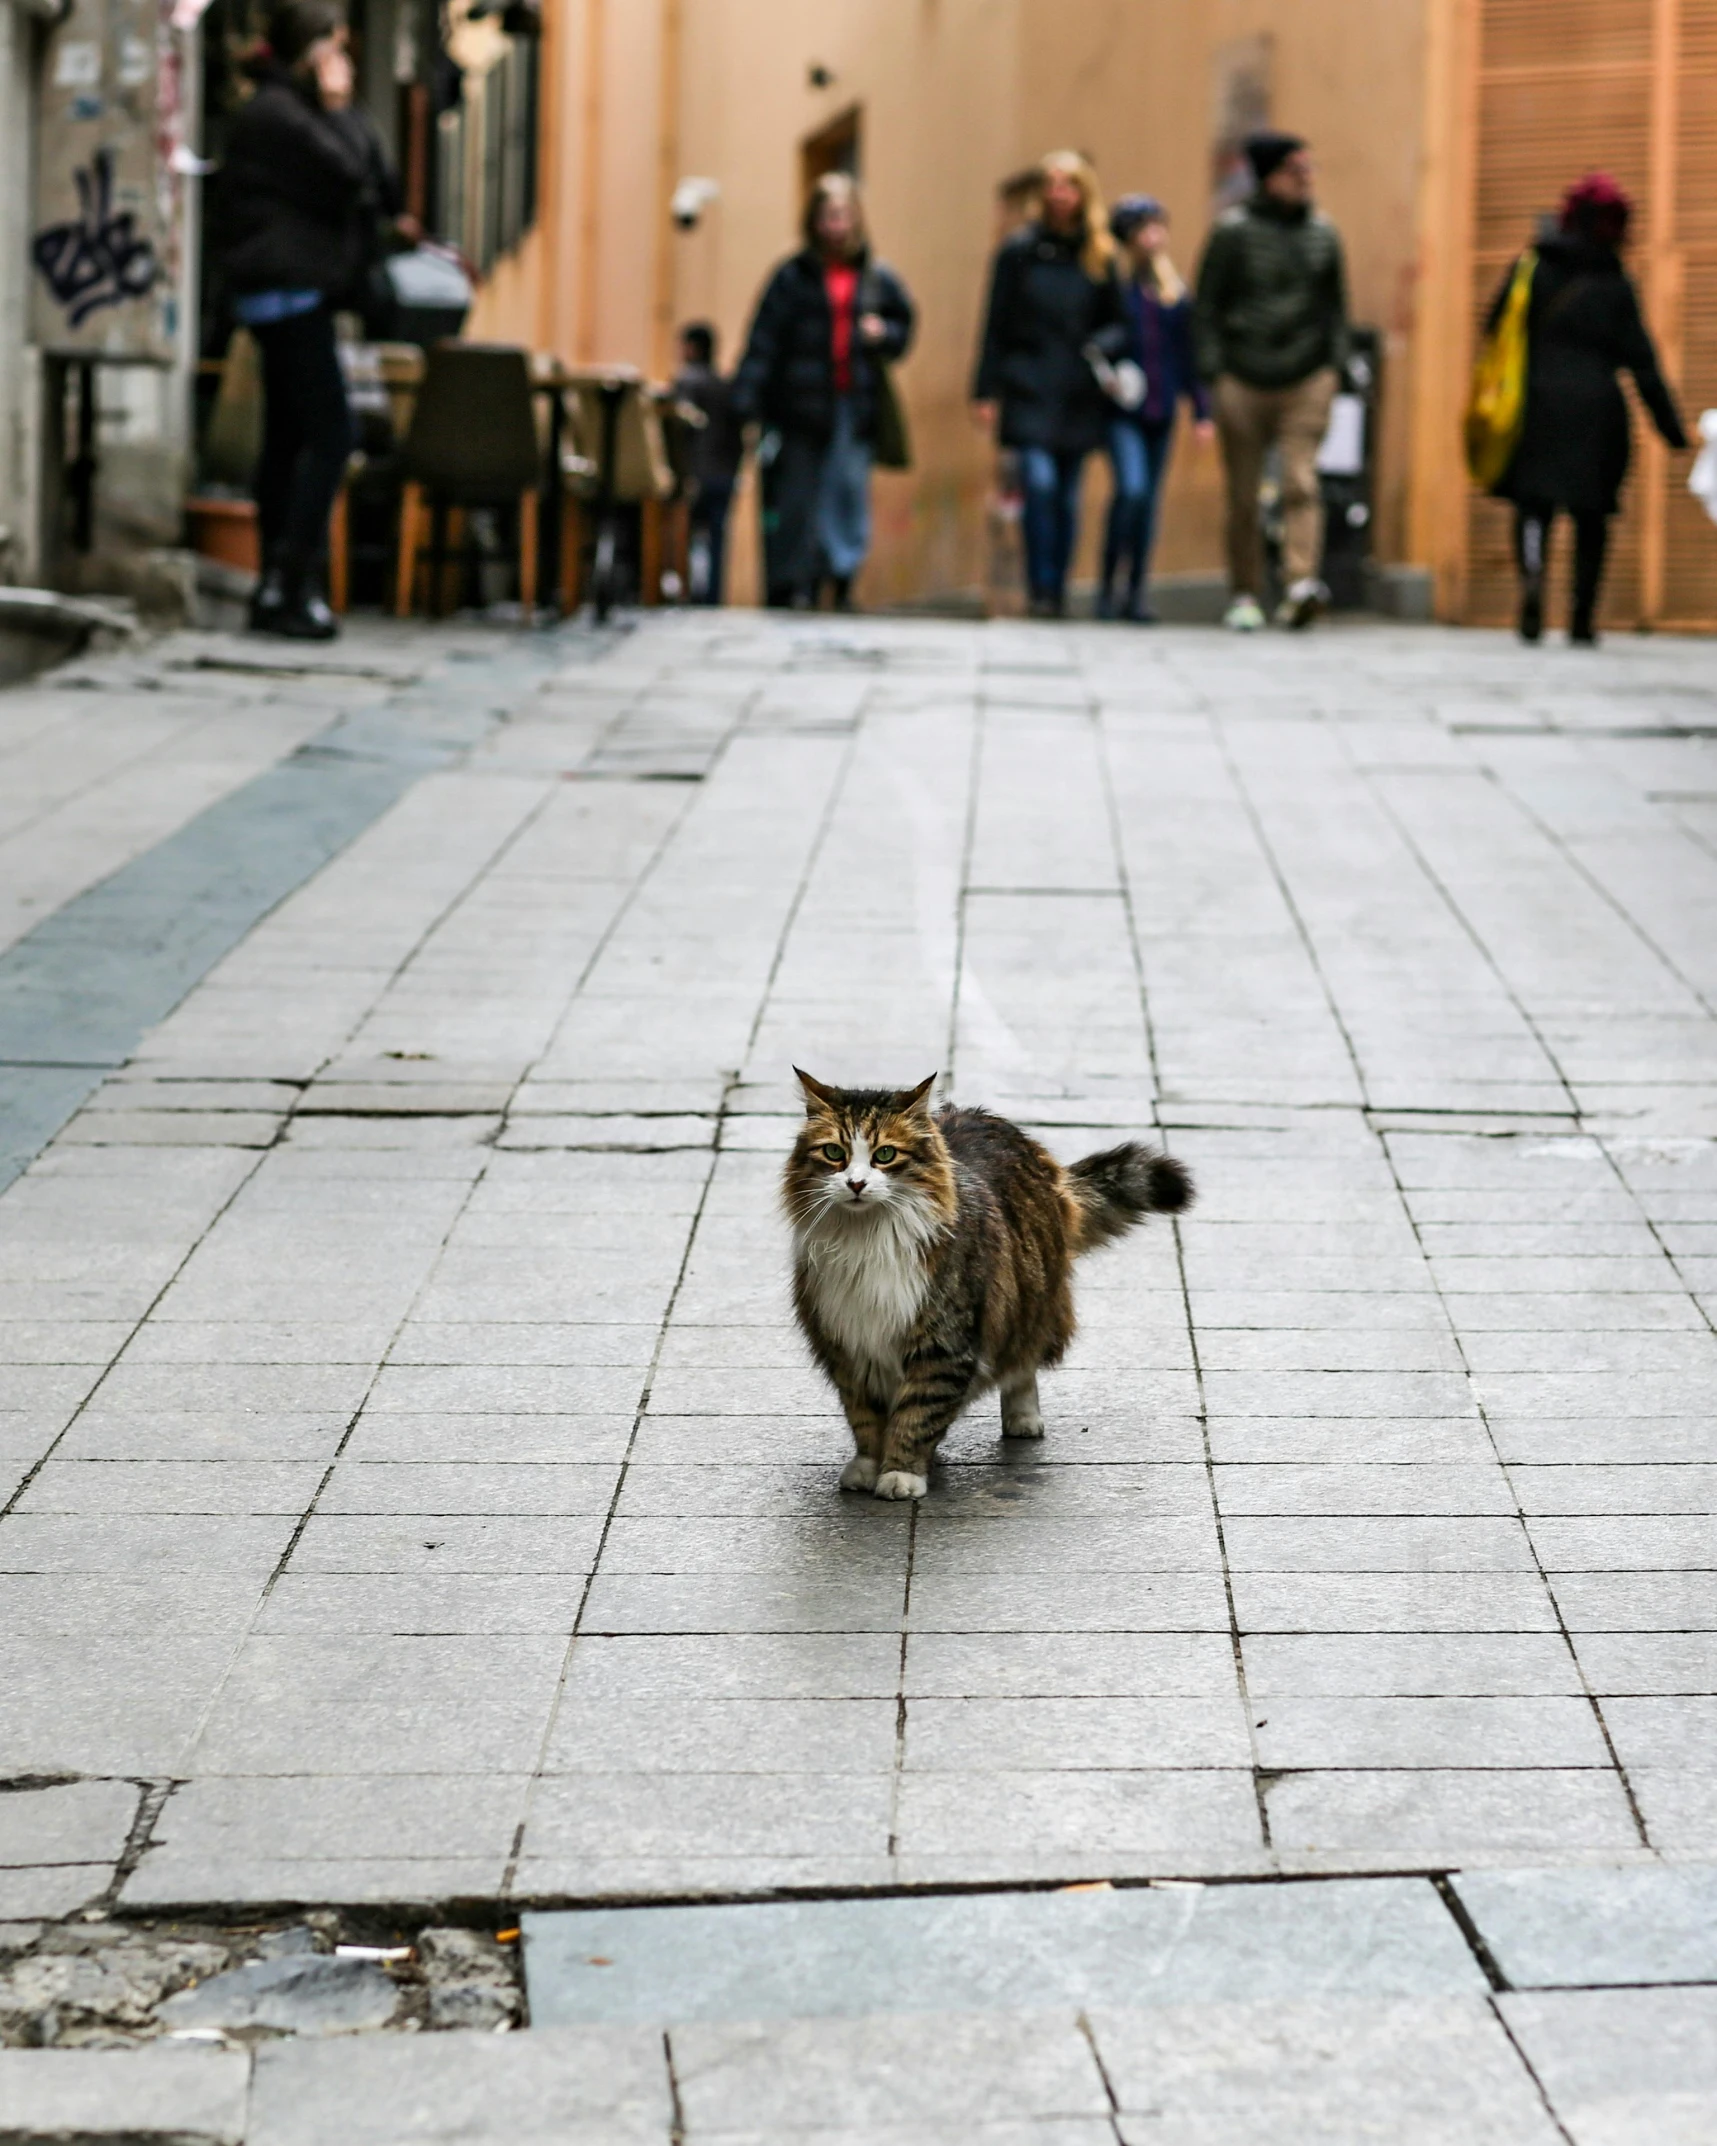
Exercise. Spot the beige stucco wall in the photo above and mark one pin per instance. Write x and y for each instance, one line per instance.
(955, 94)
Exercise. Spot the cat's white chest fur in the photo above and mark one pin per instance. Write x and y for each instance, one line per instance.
(866, 1282)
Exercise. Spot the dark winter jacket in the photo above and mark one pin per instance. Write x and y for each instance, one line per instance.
(1159, 341)
(786, 379)
(1583, 323)
(719, 448)
(1271, 307)
(1043, 310)
(300, 194)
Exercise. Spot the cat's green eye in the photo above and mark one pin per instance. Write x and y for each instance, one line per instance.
(884, 1156)
(834, 1154)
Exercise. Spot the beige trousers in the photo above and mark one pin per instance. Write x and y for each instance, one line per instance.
(1251, 420)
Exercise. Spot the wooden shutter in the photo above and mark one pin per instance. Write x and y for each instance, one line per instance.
(1628, 87)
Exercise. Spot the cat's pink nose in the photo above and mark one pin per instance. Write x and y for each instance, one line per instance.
(856, 1185)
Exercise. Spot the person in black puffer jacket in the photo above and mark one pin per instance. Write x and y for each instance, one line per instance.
(1054, 295)
(829, 318)
(300, 196)
(1582, 324)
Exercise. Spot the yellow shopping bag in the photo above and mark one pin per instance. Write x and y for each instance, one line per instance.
(1496, 404)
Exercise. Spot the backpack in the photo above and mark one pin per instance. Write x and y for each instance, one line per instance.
(1496, 401)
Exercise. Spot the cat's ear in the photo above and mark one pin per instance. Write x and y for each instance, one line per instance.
(916, 1103)
(816, 1095)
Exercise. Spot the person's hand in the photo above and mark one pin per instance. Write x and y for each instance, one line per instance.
(873, 328)
(1204, 431)
(409, 229)
(331, 66)
(984, 416)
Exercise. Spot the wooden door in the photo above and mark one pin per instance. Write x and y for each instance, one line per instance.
(1627, 87)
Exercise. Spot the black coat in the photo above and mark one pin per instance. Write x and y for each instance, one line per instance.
(786, 378)
(300, 195)
(1583, 323)
(1043, 310)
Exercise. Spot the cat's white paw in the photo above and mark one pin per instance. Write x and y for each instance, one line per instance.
(1023, 1426)
(859, 1473)
(898, 1484)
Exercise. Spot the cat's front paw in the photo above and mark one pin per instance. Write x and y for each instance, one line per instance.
(859, 1473)
(897, 1483)
(1023, 1426)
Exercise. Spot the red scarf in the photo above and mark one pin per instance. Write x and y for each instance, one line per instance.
(840, 281)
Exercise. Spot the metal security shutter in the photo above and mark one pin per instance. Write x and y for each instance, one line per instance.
(1565, 87)
(1628, 87)
(1689, 595)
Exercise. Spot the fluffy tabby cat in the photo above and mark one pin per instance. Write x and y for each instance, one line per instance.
(932, 1256)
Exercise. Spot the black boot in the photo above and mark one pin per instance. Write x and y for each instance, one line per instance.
(841, 592)
(268, 600)
(1591, 539)
(303, 615)
(1531, 620)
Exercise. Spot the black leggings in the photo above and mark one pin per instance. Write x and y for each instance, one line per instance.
(306, 438)
(1532, 520)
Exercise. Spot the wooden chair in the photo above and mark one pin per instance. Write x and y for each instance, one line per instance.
(472, 443)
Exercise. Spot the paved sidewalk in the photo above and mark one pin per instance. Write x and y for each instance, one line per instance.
(417, 1492)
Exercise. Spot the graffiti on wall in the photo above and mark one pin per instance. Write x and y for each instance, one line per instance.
(97, 258)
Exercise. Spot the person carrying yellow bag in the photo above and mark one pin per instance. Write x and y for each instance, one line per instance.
(1547, 428)
(1496, 407)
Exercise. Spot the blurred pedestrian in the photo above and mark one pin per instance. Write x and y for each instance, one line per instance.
(829, 319)
(716, 454)
(1054, 303)
(1583, 324)
(299, 205)
(1159, 341)
(1270, 332)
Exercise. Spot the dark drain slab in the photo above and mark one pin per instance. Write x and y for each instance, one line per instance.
(970, 1952)
(79, 991)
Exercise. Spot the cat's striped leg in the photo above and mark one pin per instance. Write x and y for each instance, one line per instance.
(869, 1427)
(1021, 1415)
(933, 1387)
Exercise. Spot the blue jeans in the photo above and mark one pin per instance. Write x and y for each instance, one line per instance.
(1139, 455)
(1051, 485)
(843, 497)
(709, 534)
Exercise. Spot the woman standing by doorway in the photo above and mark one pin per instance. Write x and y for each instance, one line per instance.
(1583, 324)
(298, 204)
(1054, 299)
(1159, 341)
(829, 319)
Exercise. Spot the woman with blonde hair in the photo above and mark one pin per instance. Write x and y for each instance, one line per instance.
(1054, 307)
(1159, 342)
(830, 317)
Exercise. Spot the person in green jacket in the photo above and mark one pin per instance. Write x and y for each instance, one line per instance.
(1270, 337)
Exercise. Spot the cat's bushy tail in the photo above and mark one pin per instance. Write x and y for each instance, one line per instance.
(1119, 1187)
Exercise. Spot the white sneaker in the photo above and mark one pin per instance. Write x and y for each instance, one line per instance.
(1244, 615)
(1304, 600)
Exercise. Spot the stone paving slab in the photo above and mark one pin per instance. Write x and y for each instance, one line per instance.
(1545, 1928)
(977, 1952)
(180, 2094)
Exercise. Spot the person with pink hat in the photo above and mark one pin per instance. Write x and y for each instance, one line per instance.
(1583, 325)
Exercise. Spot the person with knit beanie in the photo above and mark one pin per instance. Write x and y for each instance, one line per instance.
(1270, 336)
(1583, 325)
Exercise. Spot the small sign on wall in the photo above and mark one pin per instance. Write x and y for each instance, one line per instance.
(106, 244)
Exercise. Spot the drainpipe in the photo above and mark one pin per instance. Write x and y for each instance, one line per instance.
(21, 23)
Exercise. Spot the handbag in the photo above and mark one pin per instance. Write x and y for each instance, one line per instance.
(1496, 403)
(1121, 379)
(891, 448)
